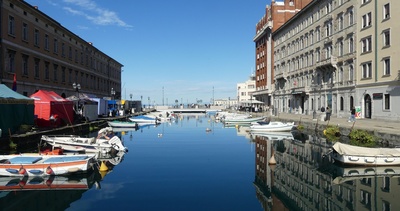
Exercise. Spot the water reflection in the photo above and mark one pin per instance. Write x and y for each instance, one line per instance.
(50, 193)
(303, 179)
(54, 192)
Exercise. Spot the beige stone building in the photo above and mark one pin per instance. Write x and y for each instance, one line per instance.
(339, 54)
(314, 59)
(43, 54)
(378, 82)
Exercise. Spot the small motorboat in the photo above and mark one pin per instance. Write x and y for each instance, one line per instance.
(144, 119)
(272, 126)
(242, 120)
(122, 124)
(102, 143)
(365, 156)
(44, 165)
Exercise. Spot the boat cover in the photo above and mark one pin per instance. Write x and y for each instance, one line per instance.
(346, 149)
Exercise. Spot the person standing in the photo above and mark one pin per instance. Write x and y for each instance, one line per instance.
(353, 115)
(328, 113)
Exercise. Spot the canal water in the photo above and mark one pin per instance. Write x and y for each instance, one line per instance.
(195, 163)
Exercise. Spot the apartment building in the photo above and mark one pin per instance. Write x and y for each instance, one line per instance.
(315, 59)
(43, 54)
(339, 54)
(275, 16)
(246, 89)
(378, 82)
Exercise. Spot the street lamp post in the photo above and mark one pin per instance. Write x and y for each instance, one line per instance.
(112, 93)
(314, 87)
(77, 87)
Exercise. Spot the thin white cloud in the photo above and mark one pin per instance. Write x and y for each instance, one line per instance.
(94, 13)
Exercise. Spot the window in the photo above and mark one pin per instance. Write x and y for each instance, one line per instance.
(351, 73)
(386, 11)
(340, 74)
(367, 70)
(36, 68)
(341, 103)
(25, 65)
(340, 50)
(36, 37)
(55, 45)
(386, 38)
(55, 72)
(366, 20)
(366, 44)
(340, 20)
(386, 66)
(63, 49)
(62, 74)
(351, 45)
(387, 101)
(351, 16)
(25, 32)
(46, 42)
(11, 61)
(11, 25)
(46, 71)
(328, 29)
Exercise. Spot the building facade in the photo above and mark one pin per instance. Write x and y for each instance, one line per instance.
(42, 54)
(246, 89)
(275, 15)
(337, 54)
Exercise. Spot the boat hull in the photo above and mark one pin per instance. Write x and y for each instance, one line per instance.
(365, 156)
(82, 144)
(122, 124)
(45, 165)
(273, 127)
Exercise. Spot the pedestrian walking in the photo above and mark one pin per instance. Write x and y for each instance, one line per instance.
(353, 115)
(328, 113)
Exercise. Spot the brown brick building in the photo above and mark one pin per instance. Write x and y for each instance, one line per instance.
(275, 16)
(45, 55)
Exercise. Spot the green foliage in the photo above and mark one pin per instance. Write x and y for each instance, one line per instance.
(362, 138)
(13, 145)
(332, 133)
(300, 127)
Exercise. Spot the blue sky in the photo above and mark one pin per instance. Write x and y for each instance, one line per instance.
(171, 49)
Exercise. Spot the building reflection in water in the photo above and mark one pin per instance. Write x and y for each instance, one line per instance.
(303, 179)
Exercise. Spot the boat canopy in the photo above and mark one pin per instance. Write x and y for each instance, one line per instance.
(346, 149)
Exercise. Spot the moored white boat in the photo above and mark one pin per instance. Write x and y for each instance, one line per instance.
(366, 156)
(43, 165)
(74, 143)
(242, 120)
(272, 126)
(122, 124)
(144, 119)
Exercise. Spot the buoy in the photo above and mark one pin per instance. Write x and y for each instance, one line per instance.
(208, 129)
(272, 160)
(103, 166)
(49, 171)
(160, 135)
(22, 171)
(236, 126)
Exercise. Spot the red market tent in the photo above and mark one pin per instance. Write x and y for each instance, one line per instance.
(49, 103)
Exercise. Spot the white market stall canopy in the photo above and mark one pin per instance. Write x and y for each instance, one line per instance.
(251, 102)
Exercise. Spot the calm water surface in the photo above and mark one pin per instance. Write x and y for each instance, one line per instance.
(182, 166)
(179, 166)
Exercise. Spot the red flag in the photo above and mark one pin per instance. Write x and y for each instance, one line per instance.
(14, 87)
